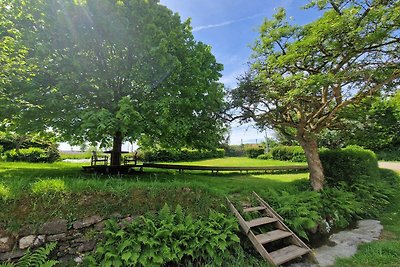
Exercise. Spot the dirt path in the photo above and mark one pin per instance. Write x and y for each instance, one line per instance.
(390, 165)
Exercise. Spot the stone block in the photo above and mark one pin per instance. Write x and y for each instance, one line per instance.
(86, 222)
(11, 255)
(6, 243)
(54, 227)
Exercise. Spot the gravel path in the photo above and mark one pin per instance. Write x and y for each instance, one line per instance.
(390, 165)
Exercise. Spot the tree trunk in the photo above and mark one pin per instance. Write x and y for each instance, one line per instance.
(310, 147)
(116, 151)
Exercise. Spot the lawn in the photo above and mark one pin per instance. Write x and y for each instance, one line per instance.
(24, 188)
(87, 194)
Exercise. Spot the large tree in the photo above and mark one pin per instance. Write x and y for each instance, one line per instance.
(125, 70)
(16, 17)
(302, 76)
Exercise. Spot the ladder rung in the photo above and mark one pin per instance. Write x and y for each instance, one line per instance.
(287, 253)
(260, 221)
(272, 236)
(254, 209)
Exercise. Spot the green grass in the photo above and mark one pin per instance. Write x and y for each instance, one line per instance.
(76, 155)
(240, 161)
(383, 252)
(35, 193)
(86, 194)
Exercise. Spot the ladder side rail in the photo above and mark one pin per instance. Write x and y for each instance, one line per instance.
(260, 248)
(268, 206)
(242, 222)
(301, 243)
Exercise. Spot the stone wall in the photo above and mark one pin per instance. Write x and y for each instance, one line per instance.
(73, 239)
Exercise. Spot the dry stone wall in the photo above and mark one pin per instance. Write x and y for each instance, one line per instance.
(74, 239)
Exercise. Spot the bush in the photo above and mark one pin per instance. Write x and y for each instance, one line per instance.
(349, 164)
(32, 154)
(164, 155)
(254, 152)
(168, 239)
(389, 154)
(235, 151)
(265, 156)
(288, 153)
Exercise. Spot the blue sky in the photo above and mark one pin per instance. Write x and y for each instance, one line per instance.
(230, 27)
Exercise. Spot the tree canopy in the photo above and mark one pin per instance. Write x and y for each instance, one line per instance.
(124, 70)
(302, 76)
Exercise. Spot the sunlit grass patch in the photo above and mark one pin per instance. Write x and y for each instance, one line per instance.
(49, 186)
(5, 192)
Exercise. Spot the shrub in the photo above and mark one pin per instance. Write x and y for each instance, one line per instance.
(389, 154)
(165, 155)
(48, 186)
(349, 164)
(235, 151)
(169, 238)
(32, 154)
(265, 156)
(288, 153)
(254, 152)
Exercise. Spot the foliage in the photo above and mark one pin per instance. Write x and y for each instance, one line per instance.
(349, 164)
(32, 154)
(48, 186)
(373, 124)
(129, 70)
(288, 153)
(301, 77)
(301, 210)
(235, 151)
(389, 154)
(254, 151)
(169, 155)
(265, 156)
(12, 142)
(37, 258)
(340, 207)
(170, 237)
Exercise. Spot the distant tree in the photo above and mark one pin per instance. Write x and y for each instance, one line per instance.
(125, 70)
(302, 76)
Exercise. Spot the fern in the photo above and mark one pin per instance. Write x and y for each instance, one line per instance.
(37, 258)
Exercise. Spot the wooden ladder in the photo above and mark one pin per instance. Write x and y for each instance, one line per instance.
(297, 247)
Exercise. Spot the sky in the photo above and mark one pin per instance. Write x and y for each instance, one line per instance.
(230, 27)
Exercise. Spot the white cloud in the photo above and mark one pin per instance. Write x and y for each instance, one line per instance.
(225, 23)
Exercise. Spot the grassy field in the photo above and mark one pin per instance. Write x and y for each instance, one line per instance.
(34, 193)
(81, 194)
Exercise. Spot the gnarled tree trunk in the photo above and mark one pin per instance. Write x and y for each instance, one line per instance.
(310, 147)
(116, 150)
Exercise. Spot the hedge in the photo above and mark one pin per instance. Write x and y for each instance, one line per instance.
(349, 164)
(166, 155)
(288, 153)
(254, 152)
(32, 154)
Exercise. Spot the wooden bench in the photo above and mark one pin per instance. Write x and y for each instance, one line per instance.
(132, 158)
(95, 158)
